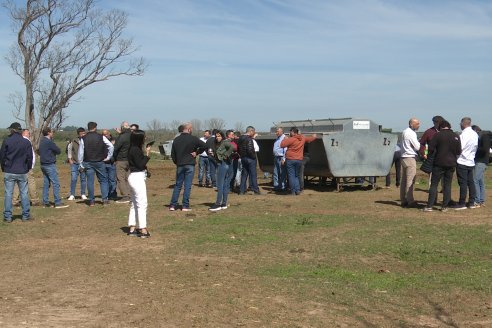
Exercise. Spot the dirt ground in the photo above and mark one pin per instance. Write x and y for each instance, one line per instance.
(76, 267)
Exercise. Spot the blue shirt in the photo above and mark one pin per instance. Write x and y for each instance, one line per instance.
(48, 151)
(277, 150)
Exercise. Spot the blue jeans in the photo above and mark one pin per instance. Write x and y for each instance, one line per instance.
(10, 179)
(98, 169)
(50, 179)
(212, 164)
(293, 169)
(111, 172)
(203, 170)
(465, 181)
(184, 174)
(224, 174)
(479, 180)
(74, 172)
(249, 169)
(279, 174)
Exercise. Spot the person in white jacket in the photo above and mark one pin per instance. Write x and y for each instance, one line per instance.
(409, 147)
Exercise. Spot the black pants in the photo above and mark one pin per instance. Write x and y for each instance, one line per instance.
(397, 162)
(465, 180)
(446, 173)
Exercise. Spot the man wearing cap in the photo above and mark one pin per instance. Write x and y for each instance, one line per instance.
(16, 161)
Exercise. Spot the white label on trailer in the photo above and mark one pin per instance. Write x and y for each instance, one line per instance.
(362, 125)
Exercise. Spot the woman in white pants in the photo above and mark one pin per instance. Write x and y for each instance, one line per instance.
(138, 190)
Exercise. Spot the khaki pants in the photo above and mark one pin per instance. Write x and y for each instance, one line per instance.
(122, 174)
(408, 173)
(33, 193)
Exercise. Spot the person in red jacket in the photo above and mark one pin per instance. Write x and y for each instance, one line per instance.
(294, 156)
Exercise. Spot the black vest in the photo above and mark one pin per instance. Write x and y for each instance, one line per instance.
(94, 147)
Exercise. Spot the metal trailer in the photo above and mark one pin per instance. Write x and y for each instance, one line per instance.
(346, 149)
(165, 149)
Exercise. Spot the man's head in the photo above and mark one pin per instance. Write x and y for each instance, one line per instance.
(26, 133)
(92, 126)
(206, 134)
(437, 120)
(106, 133)
(134, 127)
(229, 134)
(465, 123)
(414, 124)
(80, 132)
(187, 127)
(279, 132)
(476, 128)
(444, 125)
(125, 126)
(294, 131)
(15, 127)
(250, 131)
(47, 132)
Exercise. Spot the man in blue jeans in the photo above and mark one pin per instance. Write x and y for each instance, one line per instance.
(16, 161)
(73, 160)
(183, 153)
(94, 150)
(47, 157)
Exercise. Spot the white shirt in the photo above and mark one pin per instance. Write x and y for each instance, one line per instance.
(410, 145)
(469, 145)
(255, 144)
(204, 154)
(33, 153)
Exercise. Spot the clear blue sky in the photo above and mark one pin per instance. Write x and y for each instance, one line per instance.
(263, 61)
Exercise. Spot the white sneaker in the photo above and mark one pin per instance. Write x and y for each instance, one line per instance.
(84, 197)
(72, 197)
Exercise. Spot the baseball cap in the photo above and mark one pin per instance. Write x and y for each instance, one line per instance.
(15, 126)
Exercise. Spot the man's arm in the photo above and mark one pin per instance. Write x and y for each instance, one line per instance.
(110, 148)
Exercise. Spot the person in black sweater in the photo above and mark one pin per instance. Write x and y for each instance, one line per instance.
(137, 163)
(481, 161)
(246, 150)
(183, 153)
(446, 147)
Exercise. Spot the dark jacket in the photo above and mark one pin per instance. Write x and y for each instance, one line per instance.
(95, 149)
(246, 147)
(16, 154)
(183, 146)
(48, 151)
(122, 145)
(483, 150)
(137, 161)
(446, 147)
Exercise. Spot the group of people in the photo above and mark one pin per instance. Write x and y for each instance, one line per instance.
(446, 152)
(122, 162)
(91, 154)
(225, 159)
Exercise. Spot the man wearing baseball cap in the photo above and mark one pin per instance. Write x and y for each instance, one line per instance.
(16, 161)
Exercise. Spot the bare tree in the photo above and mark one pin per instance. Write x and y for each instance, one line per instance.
(197, 125)
(62, 48)
(173, 125)
(216, 123)
(239, 126)
(155, 125)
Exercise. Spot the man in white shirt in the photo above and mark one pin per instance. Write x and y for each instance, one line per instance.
(466, 164)
(203, 164)
(409, 147)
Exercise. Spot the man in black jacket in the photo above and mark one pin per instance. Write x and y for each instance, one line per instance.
(94, 150)
(445, 146)
(120, 154)
(481, 161)
(246, 150)
(184, 150)
(16, 161)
